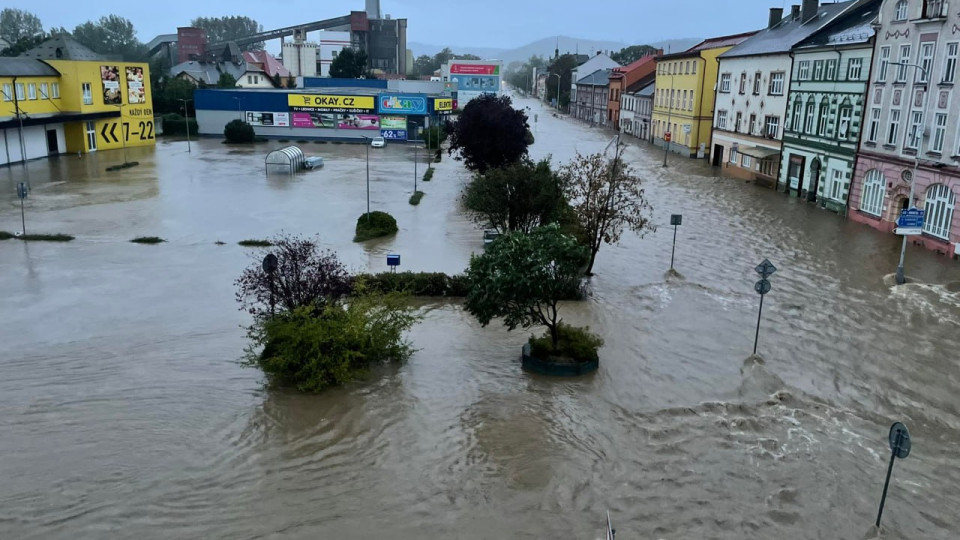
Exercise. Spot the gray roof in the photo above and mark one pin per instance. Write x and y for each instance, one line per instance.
(647, 90)
(209, 72)
(852, 28)
(600, 77)
(26, 67)
(63, 47)
(787, 33)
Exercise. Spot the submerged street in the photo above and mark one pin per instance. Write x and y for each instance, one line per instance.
(125, 412)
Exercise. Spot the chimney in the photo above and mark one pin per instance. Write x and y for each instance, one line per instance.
(775, 15)
(810, 8)
(795, 12)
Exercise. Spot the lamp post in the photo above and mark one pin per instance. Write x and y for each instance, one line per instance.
(124, 131)
(557, 75)
(901, 278)
(239, 113)
(666, 143)
(186, 119)
(368, 139)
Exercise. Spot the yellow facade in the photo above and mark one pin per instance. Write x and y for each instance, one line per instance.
(120, 91)
(684, 100)
(37, 95)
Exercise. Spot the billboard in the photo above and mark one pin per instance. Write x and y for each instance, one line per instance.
(359, 121)
(135, 88)
(331, 103)
(313, 120)
(277, 119)
(110, 77)
(475, 69)
(394, 134)
(401, 104)
(443, 104)
(477, 83)
(393, 122)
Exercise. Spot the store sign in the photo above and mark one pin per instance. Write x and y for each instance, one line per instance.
(443, 104)
(331, 103)
(393, 122)
(400, 104)
(359, 121)
(278, 119)
(475, 69)
(394, 134)
(313, 120)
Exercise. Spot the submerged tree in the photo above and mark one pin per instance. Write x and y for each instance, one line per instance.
(490, 133)
(518, 197)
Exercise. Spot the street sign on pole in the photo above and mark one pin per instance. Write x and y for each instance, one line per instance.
(762, 286)
(675, 220)
(22, 194)
(765, 269)
(270, 264)
(899, 448)
(911, 218)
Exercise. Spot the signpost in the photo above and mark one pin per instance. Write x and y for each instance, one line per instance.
(676, 220)
(765, 269)
(910, 222)
(899, 448)
(22, 194)
(270, 263)
(393, 261)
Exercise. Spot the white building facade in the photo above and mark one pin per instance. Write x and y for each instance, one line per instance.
(330, 44)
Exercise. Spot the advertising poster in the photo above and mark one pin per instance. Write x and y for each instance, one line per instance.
(477, 83)
(135, 90)
(268, 119)
(359, 121)
(313, 120)
(402, 104)
(331, 103)
(110, 76)
(393, 122)
(394, 134)
(475, 69)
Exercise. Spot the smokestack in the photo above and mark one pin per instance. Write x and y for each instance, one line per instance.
(810, 8)
(373, 9)
(775, 15)
(795, 12)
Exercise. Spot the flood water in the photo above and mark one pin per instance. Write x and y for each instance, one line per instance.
(124, 411)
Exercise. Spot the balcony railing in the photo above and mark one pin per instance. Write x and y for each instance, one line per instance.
(935, 9)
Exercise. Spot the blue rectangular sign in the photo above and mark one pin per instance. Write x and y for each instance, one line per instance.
(394, 134)
(401, 104)
(911, 218)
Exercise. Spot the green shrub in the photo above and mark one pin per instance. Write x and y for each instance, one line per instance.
(376, 225)
(428, 176)
(315, 349)
(573, 342)
(238, 131)
(415, 198)
(148, 240)
(4, 235)
(175, 124)
(255, 243)
(412, 283)
(46, 237)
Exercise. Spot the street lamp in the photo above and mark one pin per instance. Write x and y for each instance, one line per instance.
(124, 132)
(416, 157)
(666, 143)
(239, 113)
(557, 75)
(368, 140)
(901, 278)
(186, 119)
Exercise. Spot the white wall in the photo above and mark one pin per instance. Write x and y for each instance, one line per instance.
(34, 140)
(747, 103)
(330, 44)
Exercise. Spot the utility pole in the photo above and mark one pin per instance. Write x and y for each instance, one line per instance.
(186, 116)
(668, 134)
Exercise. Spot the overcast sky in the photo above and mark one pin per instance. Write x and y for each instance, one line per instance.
(483, 23)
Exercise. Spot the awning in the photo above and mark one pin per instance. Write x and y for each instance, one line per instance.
(757, 152)
(56, 118)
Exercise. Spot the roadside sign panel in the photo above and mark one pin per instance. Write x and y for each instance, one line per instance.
(911, 218)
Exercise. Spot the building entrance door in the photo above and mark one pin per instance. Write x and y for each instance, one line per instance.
(795, 173)
(814, 181)
(717, 155)
(52, 145)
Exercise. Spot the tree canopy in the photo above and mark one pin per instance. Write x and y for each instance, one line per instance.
(425, 65)
(562, 66)
(349, 64)
(490, 133)
(226, 80)
(520, 75)
(16, 24)
(113, 35)
(220, 29)
(631, 54)
(519, 197)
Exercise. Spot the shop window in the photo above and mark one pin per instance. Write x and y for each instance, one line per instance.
(871, 200)
(939, 204)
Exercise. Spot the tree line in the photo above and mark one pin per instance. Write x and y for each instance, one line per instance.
(425, 65)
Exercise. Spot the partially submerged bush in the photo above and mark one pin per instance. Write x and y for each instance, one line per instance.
(376, 225)
(412, 283)
(148, 240)
(238, 131)
(415, 198)
(574, 343)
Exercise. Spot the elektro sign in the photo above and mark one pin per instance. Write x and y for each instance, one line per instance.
(443, 104)
(331, 103)
(400, 104)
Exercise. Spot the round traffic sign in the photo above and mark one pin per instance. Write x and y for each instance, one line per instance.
(762, 286)
(270, 263)
(899, 440)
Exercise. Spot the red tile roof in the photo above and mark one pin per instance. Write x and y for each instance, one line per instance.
(271, 66)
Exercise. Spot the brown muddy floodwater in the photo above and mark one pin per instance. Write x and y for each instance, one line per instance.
(124, 412)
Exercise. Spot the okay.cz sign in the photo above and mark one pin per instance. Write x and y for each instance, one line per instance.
(330, 103)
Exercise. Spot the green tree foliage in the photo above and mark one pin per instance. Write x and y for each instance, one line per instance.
(167, 94)
(291, 82)
(376, 224)
(23, 45)
(518, 197)
(226, 80)
(220, 29)
(16, 24)
(520, 75)
(423, 66)
(522, 277)
(606, 197)
(631, 54)
(238, 131)
(490, 133)
(349, 64)
(111, 35)
(563, 66)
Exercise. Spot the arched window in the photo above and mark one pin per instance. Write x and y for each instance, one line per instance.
(811, 112)
(822, 120)
(844, 117)
(938, 203)
(797, 121)
(871, 199)
(901, 14)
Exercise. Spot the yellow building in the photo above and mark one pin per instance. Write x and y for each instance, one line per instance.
(685, 94)
(54, 106)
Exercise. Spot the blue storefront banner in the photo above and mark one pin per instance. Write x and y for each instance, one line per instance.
(401, 104)
(394, 134)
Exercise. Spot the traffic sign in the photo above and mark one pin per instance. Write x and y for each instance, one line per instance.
(676, 219)
(22, 190)
(270, 263)
(911, 218)
(911, 231)
(762, 287)
(899, 440)
(766, 269)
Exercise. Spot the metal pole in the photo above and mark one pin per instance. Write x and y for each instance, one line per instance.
(368, 182)
(672, 251)
(23, 220)
(416, 155)
(886, 483)
(666, 143)
(901, 278)
(186, 116)
(756, 338)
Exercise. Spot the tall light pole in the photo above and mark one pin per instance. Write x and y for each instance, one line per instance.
(901, 278)
(186, 119)
(123, 132)
(666, 143)
(557, 75)
(367, 143)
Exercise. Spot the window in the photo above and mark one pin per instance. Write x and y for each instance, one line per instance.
(756, 83)
(249, 79)
(818, 70)
(950, 65)
(871, 200)
(738, 122)
(843, 122)
(776, 84)
(893, 128)
(940, 127)
(91, 135)
(884, 63)
(934, 8)
(753, 124)
(725, 83)
(903, 61)
(743, 83)
(44, 91)
(926, 62)
(874, 125)
(855, 69)
(797, 120)
(836, 185)
(811, 112)
(901, 13)
(734, 156)
(694, 69)
(55, 90)
(87, 94)
(673, 101)
(772, 127)
(690, 103)
(19, 88)
(721, 119)
(822, 117)
(686, 70)
(684, 103)
(7, 92)
(831, 70)
(803, 70)
(32, 90)
(939, 204)
(746, 161)
(916, 130)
